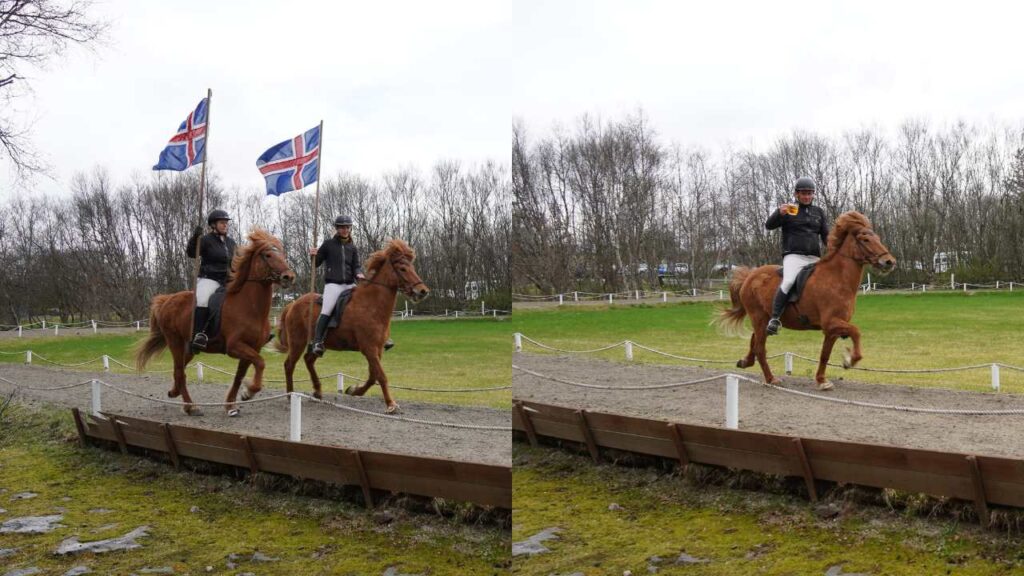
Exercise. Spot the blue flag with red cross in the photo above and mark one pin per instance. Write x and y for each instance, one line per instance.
(292, 164)
(188, 146)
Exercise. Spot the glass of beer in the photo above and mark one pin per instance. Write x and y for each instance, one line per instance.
(792, 209)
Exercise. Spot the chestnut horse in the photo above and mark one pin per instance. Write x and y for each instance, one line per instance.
(365, 323)
(827, 300)
(244, 325)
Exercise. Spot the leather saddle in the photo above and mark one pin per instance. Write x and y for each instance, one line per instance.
(801, 280)
(339, 308)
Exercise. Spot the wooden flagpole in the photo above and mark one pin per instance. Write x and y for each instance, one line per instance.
(316, 230)
(202, 197)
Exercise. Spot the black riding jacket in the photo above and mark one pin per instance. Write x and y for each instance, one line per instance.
(342, 260)
(215, 255)
(800, 233)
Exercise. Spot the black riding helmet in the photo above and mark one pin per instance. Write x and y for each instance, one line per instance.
(804, 183)
(342, 221)
(216, 215)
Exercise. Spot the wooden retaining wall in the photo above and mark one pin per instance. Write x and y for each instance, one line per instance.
(483, 484)
(982, 479)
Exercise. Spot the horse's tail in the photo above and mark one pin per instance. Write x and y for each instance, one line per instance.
(155, 342)
(280, 343)
(731, 319)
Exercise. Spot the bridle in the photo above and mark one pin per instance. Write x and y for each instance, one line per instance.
(405, 285)
(272, 276)
(869, 256)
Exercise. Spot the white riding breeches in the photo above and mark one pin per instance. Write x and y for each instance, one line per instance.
(332, 292)
(791, 266)
(204, 289)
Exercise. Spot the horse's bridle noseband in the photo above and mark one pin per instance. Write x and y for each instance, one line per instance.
(869, 256)
(404, 284)
(273, 276)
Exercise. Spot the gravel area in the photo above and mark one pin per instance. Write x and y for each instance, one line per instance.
(321, 424)
(766, 410)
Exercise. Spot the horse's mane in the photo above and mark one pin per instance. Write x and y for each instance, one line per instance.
(240, 264)
(378, 258)
(844, 225)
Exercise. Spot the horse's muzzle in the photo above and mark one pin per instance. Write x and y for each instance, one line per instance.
(886, 264)
(419, 294)
(287, 279)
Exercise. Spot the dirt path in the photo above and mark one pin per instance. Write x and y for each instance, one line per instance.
(767, 410)
(320, 424)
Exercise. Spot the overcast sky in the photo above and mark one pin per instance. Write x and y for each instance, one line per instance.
(710, 73)
(402, 83)
(396, 83)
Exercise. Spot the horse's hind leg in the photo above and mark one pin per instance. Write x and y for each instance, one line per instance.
(377, 373)
(759, 339)
(232, 408)
(180, 387)
(826, 353)
(289, 367)
(310, 359)
(748, 360)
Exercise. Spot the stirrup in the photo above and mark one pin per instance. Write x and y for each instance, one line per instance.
(773, 326)
(199, 341)
(318, 349)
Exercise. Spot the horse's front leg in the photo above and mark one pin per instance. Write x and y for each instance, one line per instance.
(246, 353)
(843, 329)
(231, 408)
(758, 345)
(377, 373)
(826, 353)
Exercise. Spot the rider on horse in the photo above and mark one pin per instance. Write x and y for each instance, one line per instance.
(802, 226)
(216, 249)
(343, 268)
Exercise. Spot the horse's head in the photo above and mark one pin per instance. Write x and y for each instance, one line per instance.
(262, 260)
(400, 257)
(854, 237)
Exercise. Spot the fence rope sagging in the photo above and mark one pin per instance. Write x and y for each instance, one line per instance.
(986, 365)
(895, 407)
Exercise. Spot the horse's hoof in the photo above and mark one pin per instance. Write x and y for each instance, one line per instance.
(739, 364)
(191, 410)
(775, 381)
(826, 385)
(233, 412)
(173, 393)
(348, 390)
(318, 395)
(847, 359)
(391, 409)
(247, 394)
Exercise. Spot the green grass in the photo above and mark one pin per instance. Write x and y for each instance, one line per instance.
(309, 535)
(901, 331)
(472, 353)
(741, 532)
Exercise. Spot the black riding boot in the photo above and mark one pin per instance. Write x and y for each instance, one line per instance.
(199, 339)
(321, 331)
(778, 307)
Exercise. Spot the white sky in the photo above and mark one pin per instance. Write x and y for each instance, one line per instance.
(711, 73)
(409, 83)
(396, 83)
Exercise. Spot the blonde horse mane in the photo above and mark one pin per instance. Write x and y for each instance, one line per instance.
(242, 262)
(846, 223)
(380, 257)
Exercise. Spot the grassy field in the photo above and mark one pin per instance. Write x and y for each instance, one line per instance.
(198, 521)
(899, 331)
(739, 532)
(472, 353)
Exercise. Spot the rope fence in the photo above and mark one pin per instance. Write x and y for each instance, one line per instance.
(628, 345)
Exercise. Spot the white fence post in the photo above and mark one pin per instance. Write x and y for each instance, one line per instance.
(199, 372)
(694, 292)
(965, 286)
(732, 402)
(924, 288)
(96, 397)
(482, 309)
(997, 284)
(1011, 286)
(952, 281)
(341, 383)
(721, 295)
(28, 356)
(559, 299)
(44, 323)
(629, 350)
(664, 296)
(93, 326)
(519, 342)
(637, 294)
(575, 296)
(56, 329)
(106, 363)
(789, 362)
(137, 326)
(19, 331)
(609, 298)
(995, 377)
(295, 418)
(456, 314)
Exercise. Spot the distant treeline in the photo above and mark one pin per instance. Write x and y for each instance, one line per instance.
(106, 248)
(602, 204)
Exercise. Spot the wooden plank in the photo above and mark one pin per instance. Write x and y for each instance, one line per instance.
(551, 413)
(588, 436)
(79, 426)
(119, 434)
(364, 479)
(247, 446)
(172, 450)
(98, 427)
(558, 430)
(805, 466)
(524, 418)
(661, 446)
(460, 491)
(901, 479)
(980, 502)
(677, 440)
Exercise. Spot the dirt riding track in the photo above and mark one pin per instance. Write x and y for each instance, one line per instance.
(763, 409)
(321, 424)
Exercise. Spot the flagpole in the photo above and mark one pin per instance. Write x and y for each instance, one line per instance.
(202, 196)
(316, 223)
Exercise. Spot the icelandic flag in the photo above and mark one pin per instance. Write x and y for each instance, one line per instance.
(188, 146)
(292, 164)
